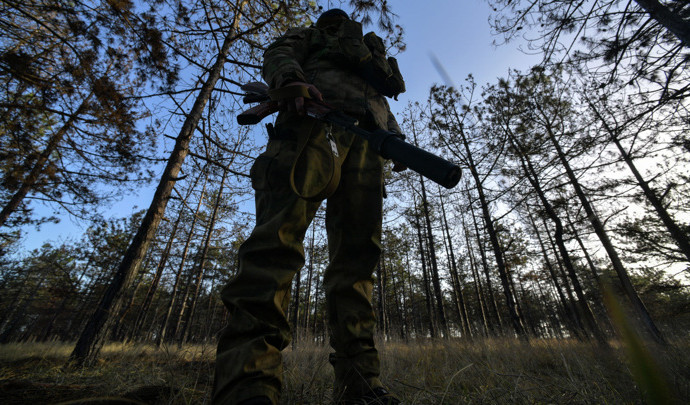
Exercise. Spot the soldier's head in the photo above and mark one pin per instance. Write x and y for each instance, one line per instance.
(331, 17)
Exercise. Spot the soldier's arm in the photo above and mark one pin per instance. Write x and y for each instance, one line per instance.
(392, 122)
(283, 67)
(283, 59)
(394, 127)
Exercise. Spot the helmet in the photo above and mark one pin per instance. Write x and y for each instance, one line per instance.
(330, 16)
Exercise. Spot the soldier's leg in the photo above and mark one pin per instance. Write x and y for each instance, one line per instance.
(354, 234)
(248, 363)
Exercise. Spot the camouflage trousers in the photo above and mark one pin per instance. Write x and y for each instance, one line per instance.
(249, 360)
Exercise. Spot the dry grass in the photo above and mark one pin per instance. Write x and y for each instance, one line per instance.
(34, 374)
(430, 372)
(496, 372)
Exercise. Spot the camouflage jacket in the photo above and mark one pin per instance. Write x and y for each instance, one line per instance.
(316, 56)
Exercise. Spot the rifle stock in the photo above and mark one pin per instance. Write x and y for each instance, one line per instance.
(257, 113)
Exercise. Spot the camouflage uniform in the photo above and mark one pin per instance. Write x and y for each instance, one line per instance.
(249, 361)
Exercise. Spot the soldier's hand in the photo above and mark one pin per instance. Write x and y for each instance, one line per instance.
(297, 104)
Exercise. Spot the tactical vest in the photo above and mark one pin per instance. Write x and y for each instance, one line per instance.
(345, 46)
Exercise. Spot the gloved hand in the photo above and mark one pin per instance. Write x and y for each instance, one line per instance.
(297, 104)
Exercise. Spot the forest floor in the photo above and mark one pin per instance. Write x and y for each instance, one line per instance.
(491, 371)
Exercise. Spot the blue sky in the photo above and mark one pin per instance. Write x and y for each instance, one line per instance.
(456, 32)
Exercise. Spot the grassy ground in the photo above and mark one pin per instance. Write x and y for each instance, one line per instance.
(483, 372)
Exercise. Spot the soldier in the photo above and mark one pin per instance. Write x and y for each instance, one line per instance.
(305, 162)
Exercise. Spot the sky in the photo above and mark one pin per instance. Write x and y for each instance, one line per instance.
(456, 33)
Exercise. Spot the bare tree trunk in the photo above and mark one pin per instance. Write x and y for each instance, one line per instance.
(526, 313)
(440, 311)
(381, 307)
(489, 328)
(404, 322)
(518, 303)
(533, 178)
(485, 264)
(555, 325)
(202, 260)
(427, 292)
(572, 317)
(593, 269)
(638, 305)
(16, 301)
(165, 255)
(678, 235)
(92, 338)
(478, 289)
(390, 289)
(462, 308)
(493, 238)
(310, 275)
(119, 324)
(148, 299)
(189, 315)
(165, 333)
(438, 292)
(669, 19)
(210, 309)
(78, 322)
(294, 318)
(562, 273)
(18, 314)
(66, 300)
(588, 258)
(316, 306)
(416, 318)
(45, 335)
(396, 299)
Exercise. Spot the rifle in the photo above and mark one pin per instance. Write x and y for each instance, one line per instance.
(386, 143)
